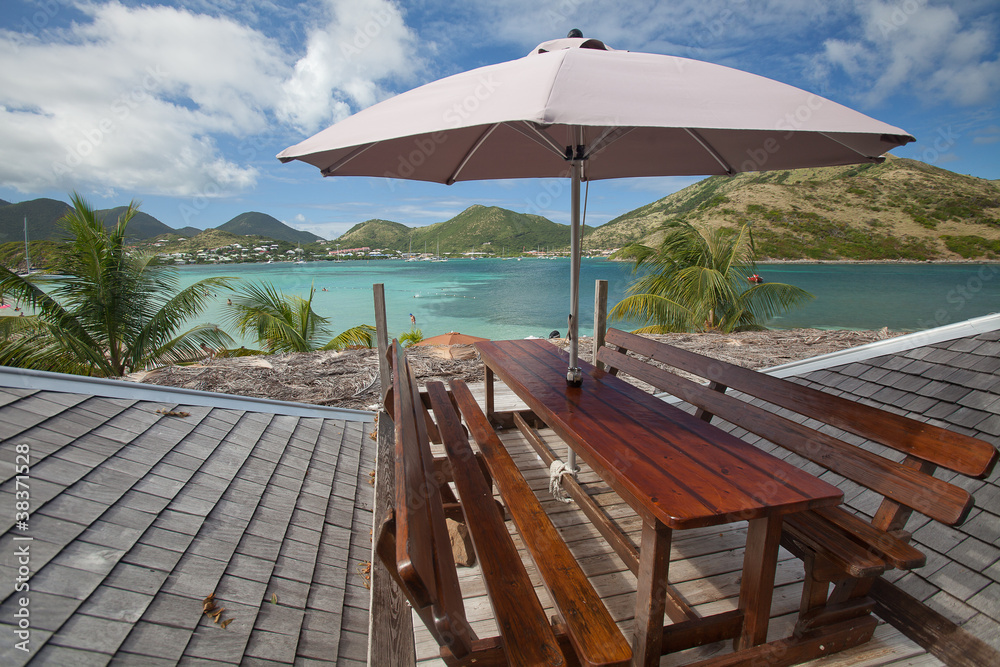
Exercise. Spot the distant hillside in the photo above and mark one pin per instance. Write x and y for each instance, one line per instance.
(4, 202)
(901, 209)
(376, 234)
(253, 223)
(477, 228)
(42, 215)
(490, 228)
(141, 226)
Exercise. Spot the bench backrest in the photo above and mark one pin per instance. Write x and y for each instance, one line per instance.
(415, 545)
(423, 556)
(909, 483)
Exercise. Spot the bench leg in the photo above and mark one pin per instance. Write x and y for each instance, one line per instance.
(757, 587)
(651, 594)
(822, 606)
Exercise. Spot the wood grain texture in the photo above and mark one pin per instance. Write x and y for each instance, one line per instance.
(423, 549)
(945, 640)
(757, 584)
(939, 500)
(592, 631)
(650, 596)
(600, 317)
(390, 629)
(667, 464)
(528, 638)
(623, 545)
(949, 449)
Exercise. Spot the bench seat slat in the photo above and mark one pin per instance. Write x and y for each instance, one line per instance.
(951, 504)
(846, 554)
(591, 629)
(949, 449)
(900, 554)
(528, 637)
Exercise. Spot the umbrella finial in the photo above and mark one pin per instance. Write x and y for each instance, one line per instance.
(575, 32)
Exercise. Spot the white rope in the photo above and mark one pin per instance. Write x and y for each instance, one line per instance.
(556, 472)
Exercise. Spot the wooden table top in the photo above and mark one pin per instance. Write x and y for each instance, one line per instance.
(667, 464)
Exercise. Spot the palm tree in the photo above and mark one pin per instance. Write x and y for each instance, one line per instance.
(411, 337)
(698, 280)
(288, 323)
(109, 312)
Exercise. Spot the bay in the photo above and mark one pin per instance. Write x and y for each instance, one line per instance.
(505, 299)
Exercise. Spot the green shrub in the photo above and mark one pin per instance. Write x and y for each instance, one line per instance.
(972, 247)
(713, 202)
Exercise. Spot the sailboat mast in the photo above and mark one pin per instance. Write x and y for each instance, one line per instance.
(27, 258)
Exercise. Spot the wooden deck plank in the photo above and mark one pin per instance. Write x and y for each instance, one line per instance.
(705, 568)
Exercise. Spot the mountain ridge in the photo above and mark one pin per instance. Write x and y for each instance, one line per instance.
(479, 228)
(900, 209)
(43, 215)
(255, 223)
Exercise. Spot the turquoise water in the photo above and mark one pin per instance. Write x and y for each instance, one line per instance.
(514, 299)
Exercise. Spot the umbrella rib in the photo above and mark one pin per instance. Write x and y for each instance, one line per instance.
(711, 150)
(601, 142)
(328, 171)
(472, 151)
(870, 158)
(539, 136)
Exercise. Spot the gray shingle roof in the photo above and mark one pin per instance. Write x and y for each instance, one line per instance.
(954, 384)
(140, 508)
(949, 377)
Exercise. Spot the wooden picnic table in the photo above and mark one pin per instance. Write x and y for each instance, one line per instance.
(676, 471)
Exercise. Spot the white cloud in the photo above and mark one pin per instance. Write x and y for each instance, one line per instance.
(364, 42)
(129, 100)
(141, 99)
(919, 47)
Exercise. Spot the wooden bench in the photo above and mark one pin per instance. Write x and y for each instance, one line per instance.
(414, 545)
(836, 545)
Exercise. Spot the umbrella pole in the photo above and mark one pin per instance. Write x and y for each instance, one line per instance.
(574, 377)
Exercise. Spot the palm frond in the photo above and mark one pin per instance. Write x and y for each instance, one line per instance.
(702, 274)
(362, 335)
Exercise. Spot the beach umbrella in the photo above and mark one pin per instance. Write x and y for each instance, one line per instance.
(450, 338)
(579, 109)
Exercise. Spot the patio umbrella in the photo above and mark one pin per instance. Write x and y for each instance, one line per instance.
(450, 338)
(576, 108)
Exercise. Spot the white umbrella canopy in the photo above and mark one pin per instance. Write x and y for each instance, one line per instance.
(576, 108)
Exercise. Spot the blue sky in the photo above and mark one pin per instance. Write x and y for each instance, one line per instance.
(183, 105)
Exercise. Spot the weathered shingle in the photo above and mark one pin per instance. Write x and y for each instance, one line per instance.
(138, 513)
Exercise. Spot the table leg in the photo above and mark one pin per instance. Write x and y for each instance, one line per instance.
(757, 588)
(490, 401)
(654, 562)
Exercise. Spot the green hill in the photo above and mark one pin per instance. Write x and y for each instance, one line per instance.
(141, 226)
(478, 228)
(42, 215)
(376, 233)
(253, 223)
(43, 221)
(490, 228)
(901, 209)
